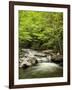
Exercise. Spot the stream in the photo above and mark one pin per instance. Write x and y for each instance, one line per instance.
(45, 68)
(41, 70)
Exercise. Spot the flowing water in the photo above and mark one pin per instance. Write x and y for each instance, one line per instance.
(41, 70)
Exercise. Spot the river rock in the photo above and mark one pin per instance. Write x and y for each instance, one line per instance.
(29, 61)
(57, 58)
(40, 54)
(47, 51)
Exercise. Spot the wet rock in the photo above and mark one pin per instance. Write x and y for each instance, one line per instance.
(47, 51)
(40, 55)
(24, 62)
(57, 58)
(29, 61)
(32, 57)
(25, 66)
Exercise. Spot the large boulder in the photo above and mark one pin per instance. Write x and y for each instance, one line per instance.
(27, 61)
(57, 58)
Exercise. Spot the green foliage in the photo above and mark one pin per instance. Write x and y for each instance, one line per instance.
(41, 30)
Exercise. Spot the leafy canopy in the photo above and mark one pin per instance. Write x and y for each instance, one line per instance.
(41, 30)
